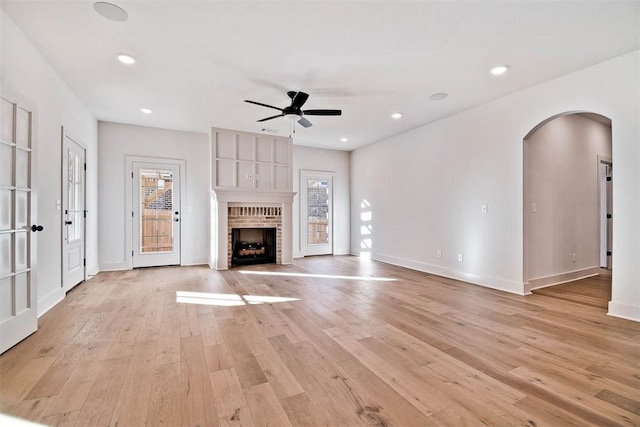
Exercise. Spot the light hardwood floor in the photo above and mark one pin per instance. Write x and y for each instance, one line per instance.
(417, 351)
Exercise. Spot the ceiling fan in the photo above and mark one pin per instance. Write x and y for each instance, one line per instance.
(295, 111)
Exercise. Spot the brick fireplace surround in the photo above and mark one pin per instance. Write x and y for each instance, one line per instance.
(255, 217)
(250, 209)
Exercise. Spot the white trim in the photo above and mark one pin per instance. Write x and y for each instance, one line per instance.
(485, 281)
(624, 311)
(115, 266)
(569, 276)
(49, 301)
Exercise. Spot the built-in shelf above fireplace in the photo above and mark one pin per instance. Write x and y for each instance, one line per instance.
(251, 178)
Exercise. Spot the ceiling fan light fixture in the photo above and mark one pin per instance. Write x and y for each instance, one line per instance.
(126, 59)
(396, 115)
(110, 11)
(499, 70)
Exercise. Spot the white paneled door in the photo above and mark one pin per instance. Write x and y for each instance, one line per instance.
(156, 214)
(73, 218)
(18, 228)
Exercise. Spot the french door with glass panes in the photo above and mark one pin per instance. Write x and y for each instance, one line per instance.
(317, 215)
(18, 207)
(73, 220)
(156, 214)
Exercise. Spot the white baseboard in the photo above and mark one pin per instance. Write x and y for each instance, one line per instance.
(93, 270)
(624, 311)
(510, 286)
(569, 276)
(115, 266)
(47, 302)
(195, 261)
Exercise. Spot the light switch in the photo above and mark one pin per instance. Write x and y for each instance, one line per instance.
(483, 208)
(58, 205)
(534, 208)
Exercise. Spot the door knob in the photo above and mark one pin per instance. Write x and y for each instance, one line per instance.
(37, 227)
(176, 219)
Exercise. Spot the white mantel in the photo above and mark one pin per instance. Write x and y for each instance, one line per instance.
(222, 199)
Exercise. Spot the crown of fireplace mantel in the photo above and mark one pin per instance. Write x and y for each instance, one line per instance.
(235, 195)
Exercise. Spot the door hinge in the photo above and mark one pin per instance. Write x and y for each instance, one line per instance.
(84, 213)
(609, 216)
(85, 166)
(608, 178)
(608, 253)
(131, 253)
(84, 262)
(131, 214)
(131, 175)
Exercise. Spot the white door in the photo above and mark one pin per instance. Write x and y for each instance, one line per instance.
(156, 214)
(316, 215)
(18, 309)
(73, 218)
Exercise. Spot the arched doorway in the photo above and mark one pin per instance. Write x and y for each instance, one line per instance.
(567, 198)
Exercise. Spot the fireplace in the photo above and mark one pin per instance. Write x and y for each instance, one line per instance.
(253, 246)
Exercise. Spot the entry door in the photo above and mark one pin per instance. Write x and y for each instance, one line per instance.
(316, 218)
(73, 218)
(156, 215)
(18, 309)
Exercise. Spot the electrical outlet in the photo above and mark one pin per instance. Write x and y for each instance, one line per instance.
(483, 208)
(439, 253)
(573, 257)
(460, 257)
(250, 176)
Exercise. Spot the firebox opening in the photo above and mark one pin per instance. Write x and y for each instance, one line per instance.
(253, 246)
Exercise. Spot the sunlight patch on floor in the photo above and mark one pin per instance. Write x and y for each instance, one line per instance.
(227, 300)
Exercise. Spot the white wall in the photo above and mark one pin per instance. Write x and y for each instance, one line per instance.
(426, 186)
(118, 141)
(316, 159)
(25, 71)
(561, 179)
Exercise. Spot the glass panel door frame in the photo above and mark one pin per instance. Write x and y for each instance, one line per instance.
(132, 221)
(320, 230)
(74, 212)
(18, 219)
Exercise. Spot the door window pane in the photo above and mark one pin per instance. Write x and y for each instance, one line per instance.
(156, 211)
(317, 211)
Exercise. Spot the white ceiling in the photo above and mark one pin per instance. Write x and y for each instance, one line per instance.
(198, 60)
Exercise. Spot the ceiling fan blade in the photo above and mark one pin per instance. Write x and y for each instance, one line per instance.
(304, 122)
(264, 105)
(269, 118)
(322, 112)
(299, 99)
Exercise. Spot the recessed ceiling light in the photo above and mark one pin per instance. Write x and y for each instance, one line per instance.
(126, 59)
(344, 139)
(396, 115)
(438, 96)
(146, 110)
(110, 11)
(501, 69)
